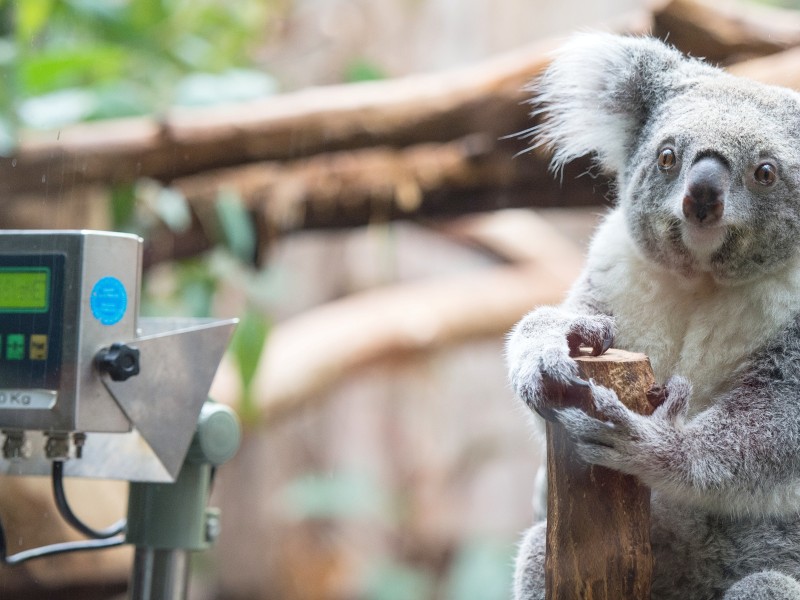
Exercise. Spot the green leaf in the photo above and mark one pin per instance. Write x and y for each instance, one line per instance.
(121, 99)
(195, 51)
(31, 17)
(60, 68)
(236, 225)
(343, 495)
(146, 46)
(363, 70)
(172, 208)
(8, 53)
(122, 203)
(246, 347)
(196, 287)
(394, 581)
(147, 13)
(57, 109)
(482, 570)
(8, 137)
(234, 85)
(197, 297)
(94, 11)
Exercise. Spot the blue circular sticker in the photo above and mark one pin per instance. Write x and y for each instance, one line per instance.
(109, 300)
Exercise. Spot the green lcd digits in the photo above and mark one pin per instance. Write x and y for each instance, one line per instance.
(24, 290)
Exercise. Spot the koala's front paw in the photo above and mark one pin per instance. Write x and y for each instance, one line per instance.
(540, 349)
(622, 439)
(610, 441)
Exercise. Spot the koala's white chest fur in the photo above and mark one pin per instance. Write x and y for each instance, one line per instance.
(690, 327)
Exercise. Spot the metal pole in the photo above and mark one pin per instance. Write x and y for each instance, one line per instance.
(159, 574)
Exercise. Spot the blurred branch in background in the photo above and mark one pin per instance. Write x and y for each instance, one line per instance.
(417, 317)
(426, 145)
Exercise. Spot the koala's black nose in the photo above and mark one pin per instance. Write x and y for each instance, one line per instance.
(706, 186)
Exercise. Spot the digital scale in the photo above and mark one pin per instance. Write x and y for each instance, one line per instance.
(90, 389)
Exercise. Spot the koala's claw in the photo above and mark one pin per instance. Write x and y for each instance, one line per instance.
(578, 382)
(549, 414)
(599, 346)
(609, 406)
(596, 332)
(676, 406)
(599, 349)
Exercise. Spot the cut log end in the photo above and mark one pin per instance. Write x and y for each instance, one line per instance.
(613, 355)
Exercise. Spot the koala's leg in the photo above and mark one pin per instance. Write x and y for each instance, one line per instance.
(529, 574)
(766, 585)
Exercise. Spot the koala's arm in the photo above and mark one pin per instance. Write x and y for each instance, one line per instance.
(740, 455)
(541, 344)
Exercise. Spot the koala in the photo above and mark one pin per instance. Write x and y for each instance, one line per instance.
(697, 265)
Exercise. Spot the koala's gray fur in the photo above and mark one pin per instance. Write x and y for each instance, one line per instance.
(714, 301)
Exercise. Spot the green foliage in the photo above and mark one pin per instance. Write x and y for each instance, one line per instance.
(8, 136)
(237, 229)
(196, 287)
(482, 570)
(791, 4)
(394, 581)
(339, 496)
(8, 83)
(232, 85)
(65, 61)
(189, 291)
(246, 347)
(78, 60)
(122, 204)
(363, 70)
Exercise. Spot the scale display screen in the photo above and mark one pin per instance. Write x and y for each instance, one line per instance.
(24, 291)
(31, 322)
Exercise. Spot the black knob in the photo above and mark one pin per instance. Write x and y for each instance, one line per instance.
(120, 361)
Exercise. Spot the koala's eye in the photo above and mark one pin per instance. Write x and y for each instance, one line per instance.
(766, 173)
(667, 158)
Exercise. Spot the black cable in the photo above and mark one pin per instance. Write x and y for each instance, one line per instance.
(102, 539)
(71, 518)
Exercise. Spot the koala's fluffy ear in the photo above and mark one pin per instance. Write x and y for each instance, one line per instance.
(599, 91)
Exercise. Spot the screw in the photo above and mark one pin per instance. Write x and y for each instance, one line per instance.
(213, 524)
(79, 440)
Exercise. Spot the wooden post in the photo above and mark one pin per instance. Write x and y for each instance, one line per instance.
(598, 520)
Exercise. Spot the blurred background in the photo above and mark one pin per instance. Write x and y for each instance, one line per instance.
(344, 176)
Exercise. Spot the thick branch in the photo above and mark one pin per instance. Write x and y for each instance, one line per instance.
(429, 180)
(338, 190)
(598, 520)
(437, 107)
(778, 69)
(726, 34)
